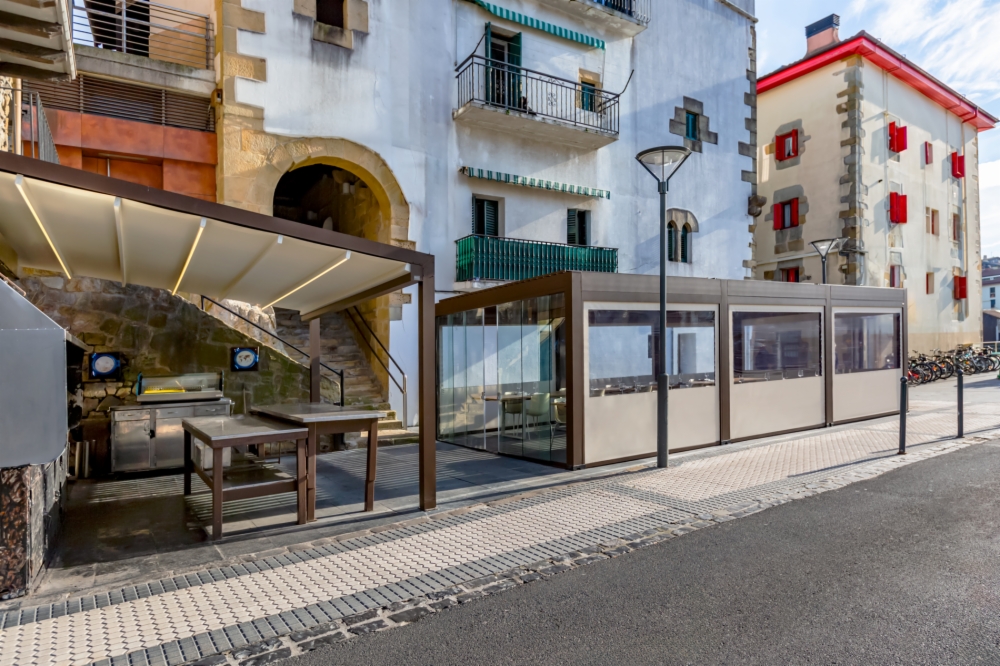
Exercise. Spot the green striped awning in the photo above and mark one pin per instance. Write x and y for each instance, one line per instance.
(537, 183)
(530, 22)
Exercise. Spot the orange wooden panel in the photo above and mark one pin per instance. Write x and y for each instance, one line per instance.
(70, 156)
(189, 178)
(128, 137)
(150, 175)
(65, 126)
(95, 165)
(190, 145)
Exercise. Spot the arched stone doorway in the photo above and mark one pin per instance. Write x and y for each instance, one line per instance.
(342, 186)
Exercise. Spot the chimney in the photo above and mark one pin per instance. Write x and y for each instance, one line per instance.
(822, 34)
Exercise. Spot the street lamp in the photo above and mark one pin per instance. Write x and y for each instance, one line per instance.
(662, 163)
(824, 248)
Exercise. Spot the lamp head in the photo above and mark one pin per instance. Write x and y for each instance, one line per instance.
(664, 161)
(826, 246)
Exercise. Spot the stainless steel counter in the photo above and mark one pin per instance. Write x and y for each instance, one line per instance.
(145, 437)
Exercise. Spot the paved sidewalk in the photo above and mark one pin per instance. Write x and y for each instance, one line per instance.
(261, 610)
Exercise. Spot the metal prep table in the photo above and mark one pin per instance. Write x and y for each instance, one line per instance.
(147, 437)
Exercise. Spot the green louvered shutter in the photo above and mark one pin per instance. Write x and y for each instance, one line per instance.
(485, 217)
(571, 226)
(685, 240)
(671, 242)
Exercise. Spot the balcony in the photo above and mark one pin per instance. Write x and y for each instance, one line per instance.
(628, 17)
(504, 259)
(145, 29)
(503, 97)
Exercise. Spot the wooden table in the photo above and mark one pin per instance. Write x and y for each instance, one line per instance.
(220, 432)
(323, 419)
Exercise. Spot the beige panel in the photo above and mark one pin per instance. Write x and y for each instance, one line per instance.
(19, 229)
(157, 243)
(761, 408)
(860, 394)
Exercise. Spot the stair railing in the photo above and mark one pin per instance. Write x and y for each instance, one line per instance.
(364, 338)
(338, 373)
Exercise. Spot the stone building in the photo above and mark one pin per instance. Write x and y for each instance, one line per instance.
(860, 144)
(499, 137)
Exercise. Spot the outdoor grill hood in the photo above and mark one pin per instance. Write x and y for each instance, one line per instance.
(33, 416)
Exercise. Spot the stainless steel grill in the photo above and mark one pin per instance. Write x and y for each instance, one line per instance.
(145, 29)
(123, 100)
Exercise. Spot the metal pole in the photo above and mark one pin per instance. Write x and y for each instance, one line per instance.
(823, 258)
(902, 416)
(662, 378)
(961, 405)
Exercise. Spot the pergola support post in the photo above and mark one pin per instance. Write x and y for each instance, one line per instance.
(426, 390)
(314, 361)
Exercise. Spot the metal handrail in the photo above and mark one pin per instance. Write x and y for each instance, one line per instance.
(145, 28)
(338, 373)
(640, 10)
(402, 388)
(38, 134)
(515, 88)
(479, 257)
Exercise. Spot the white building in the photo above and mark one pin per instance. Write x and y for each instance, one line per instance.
(411, 135)
(860, 144)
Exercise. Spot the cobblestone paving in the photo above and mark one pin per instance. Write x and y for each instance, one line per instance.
(265, 610)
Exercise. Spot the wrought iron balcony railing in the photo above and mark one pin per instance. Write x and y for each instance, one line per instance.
(144, 28)
(640, 10)
(514, 88)
(493, 258)
(25, 131)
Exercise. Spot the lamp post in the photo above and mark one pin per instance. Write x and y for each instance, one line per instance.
(824, 248)
(662, 163)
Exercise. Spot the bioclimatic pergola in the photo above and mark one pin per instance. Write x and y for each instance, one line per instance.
(82, 224)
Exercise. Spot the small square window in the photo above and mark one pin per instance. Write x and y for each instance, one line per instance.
(578, 227)
(786, 146)
(692, 126)
(331, 12)
(789, 274)
(896, 277)
(485, 217)
(956, 227)
(930, 283)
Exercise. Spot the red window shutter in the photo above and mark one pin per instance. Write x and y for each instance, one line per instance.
(901, 142)
(795, 143)
(892, 137)
(961, 288)
(903, 211)
(795, 213)
(779, 148)
(778, 221)
(893, 207)
(958, 165)
(928, 152)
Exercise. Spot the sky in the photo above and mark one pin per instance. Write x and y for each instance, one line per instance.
(958, 41)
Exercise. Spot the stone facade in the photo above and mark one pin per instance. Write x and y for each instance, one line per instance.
(161, 335)
(6, 97)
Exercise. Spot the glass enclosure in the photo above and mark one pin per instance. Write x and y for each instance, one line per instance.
(769, 346)
(502, 378)
(864, 342)
(624, 350)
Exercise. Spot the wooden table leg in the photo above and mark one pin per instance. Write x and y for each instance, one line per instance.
(216, 493)
(187, 463)
(313, 447)
(300, 478)
(372, 458)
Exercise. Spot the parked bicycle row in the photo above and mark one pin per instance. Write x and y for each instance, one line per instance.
(924, 368)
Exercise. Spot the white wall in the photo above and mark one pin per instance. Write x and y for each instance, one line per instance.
(396, 90)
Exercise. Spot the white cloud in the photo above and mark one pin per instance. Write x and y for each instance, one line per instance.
(955, 40)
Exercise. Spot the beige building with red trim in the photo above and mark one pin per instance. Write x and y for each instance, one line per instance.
(861, 145)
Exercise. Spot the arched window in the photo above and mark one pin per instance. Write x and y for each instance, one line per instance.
(686, 244)
(671, 241)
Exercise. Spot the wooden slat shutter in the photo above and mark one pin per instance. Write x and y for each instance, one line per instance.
(492, 221)
(778, 221)
(903, 209)
(893, 206)
(794, 222)
(671, 242)
(685, 240)
(572, 219)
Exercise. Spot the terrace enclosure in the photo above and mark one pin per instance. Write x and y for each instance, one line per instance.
(561, 368)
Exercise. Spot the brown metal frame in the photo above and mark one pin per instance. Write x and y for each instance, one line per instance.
(580, 288)
(421, 272)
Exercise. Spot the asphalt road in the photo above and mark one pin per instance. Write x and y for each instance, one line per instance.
(901, 569)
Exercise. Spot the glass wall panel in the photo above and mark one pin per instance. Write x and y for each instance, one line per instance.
(446, 381)
(510, 394)
(769, 346)
(624, 346)
(866, 341)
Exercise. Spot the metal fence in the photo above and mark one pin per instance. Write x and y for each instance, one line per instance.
(25, 131)
(640, 10)
(146, 29)
(515, 88)
(494, 258)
